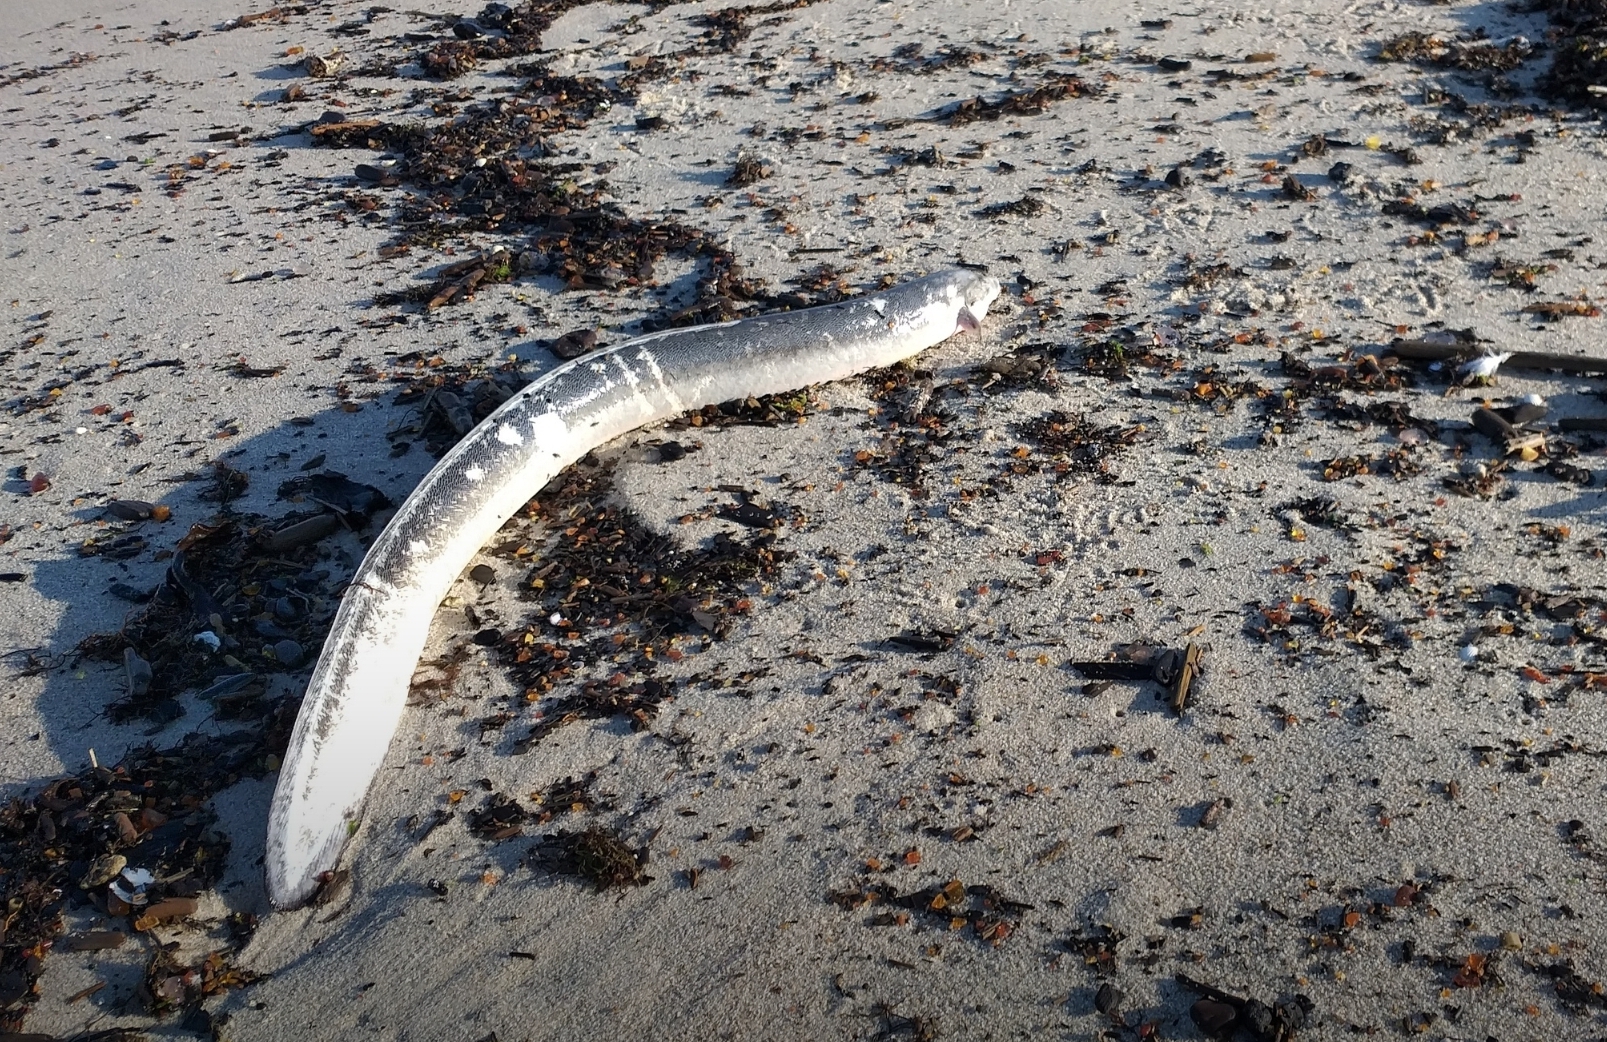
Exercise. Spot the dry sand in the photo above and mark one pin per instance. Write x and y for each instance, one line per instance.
(1350, 809)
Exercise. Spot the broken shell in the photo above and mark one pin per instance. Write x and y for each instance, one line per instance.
(102, 871)
(301, 533)
(138, 673)
(324, 66)
(138, 876)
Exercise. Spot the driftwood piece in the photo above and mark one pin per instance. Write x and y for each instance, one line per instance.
(1185, 678)
(1424, 351)
(1513, 440)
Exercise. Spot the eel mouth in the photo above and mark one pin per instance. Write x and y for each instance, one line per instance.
(972, 312)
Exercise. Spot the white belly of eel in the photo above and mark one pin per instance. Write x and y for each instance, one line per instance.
(355, 698)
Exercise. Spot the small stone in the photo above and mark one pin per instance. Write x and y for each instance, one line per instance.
(129, 509)
(483, 574)
(123, 591)
(1217, 1019)
(574, 344)
(374, 174)
(288, 652)
(1511, 941)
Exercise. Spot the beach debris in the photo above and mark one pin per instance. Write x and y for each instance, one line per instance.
(1572, 473)
(575, 343)
(1528, 445)
(502, 818)
(228, 686)
(1529, 408)
(288, 653)
(324, 66)
(1053, 87)
(568, 795)
(1108, 1001)
(598, 855)
(930, 642)
(137, 673)
(1478, 480)
(170, 985)
(1436, 351)
(1555, 310)
(102, 871)
(379, 174)
(352, 501)
(457, 282)
(305, 532)
(131, 885)
(749, 170)
(1076, 445)
(130, 509)
(1473, 54)
(1483, 367)
(638, 703)
(1221, 1014)
(992, 917)
(96, 941)
(1178, 673)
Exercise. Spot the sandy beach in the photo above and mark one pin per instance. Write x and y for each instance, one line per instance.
(848, 714)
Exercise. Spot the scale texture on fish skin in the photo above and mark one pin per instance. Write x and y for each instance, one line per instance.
(355, 698)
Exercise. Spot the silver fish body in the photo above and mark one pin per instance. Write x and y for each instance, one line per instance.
(357, 692)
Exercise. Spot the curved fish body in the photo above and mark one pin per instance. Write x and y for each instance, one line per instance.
(355, 698)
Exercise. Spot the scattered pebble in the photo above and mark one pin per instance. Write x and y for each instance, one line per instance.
(289, 653)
